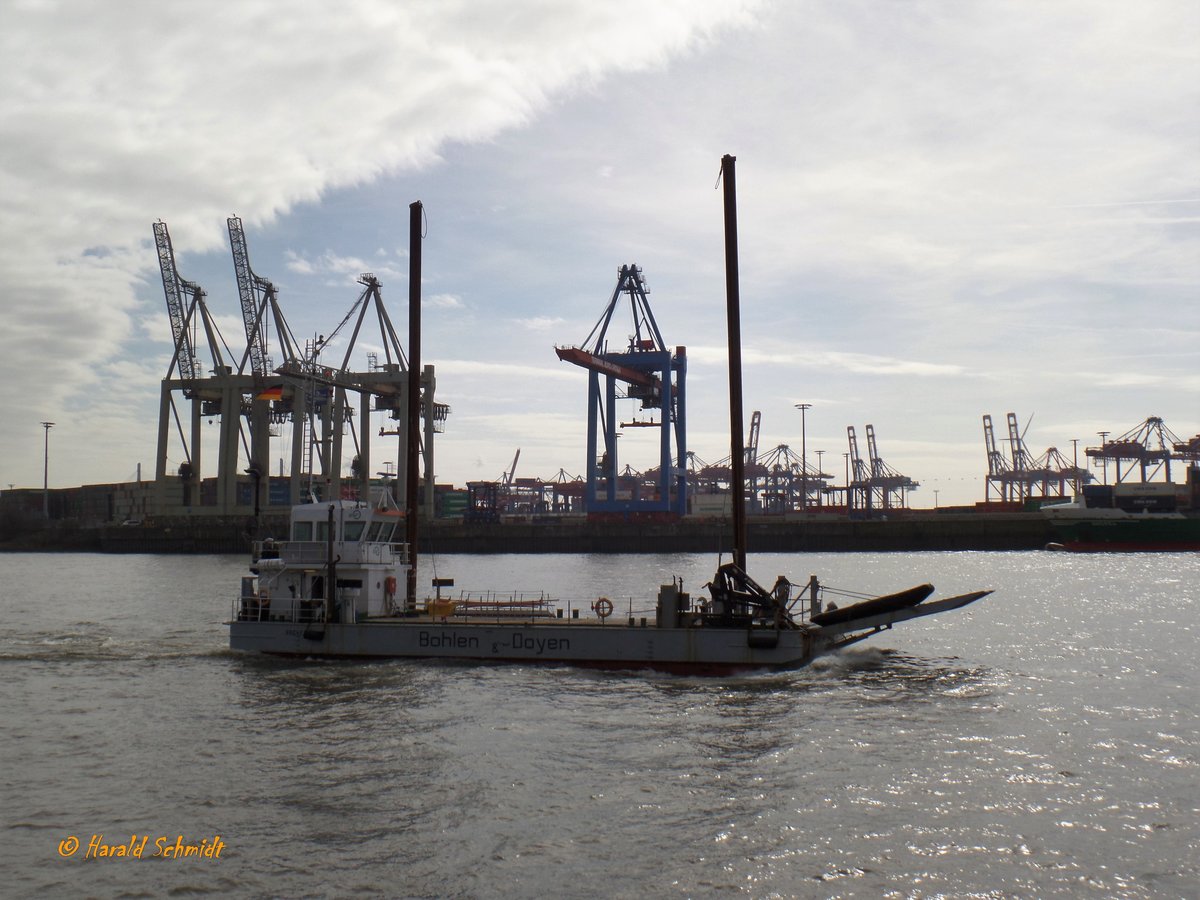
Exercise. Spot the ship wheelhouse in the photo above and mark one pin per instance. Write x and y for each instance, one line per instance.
(343, 559)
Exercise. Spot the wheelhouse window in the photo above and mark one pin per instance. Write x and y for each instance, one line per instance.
(381, 531)
(353, 531)
(302, 531)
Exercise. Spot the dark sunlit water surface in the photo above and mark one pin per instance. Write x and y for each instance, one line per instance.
(1045, 742)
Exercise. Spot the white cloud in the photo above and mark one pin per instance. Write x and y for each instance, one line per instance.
(347, 269)
(299, 265)
(815, 358)
(543, 323)
(475, 367)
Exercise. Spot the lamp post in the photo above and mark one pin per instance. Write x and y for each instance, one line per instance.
(803, 407)
(46, 472)
(935, 500)
(846, 457)
(820, 470)
(1074, 466)
(1104, 459)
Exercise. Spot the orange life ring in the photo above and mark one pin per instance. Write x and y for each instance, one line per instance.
(603, 607)
(389, 585)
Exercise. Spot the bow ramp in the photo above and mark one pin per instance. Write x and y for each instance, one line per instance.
(851, 624)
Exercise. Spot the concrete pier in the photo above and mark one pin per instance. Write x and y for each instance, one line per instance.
(913, 531)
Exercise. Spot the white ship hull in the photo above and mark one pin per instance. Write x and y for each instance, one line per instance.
(606, 646)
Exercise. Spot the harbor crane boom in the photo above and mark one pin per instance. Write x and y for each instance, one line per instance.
(184, 315)
(512, 470)
(997, 464)
(857, 466)
(174, 287)
(752, 446)
(594, 363)
(258, 298)
(873, 453)
(887, 484)
(1022, 460)
(593, 353)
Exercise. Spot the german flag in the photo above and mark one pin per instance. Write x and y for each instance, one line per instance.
(275, 393)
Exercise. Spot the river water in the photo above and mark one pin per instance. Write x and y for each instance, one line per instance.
(1044, 742)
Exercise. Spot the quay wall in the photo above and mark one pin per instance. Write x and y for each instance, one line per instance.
(959, 531)
(1014, 531)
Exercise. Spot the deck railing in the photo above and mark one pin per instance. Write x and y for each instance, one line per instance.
(254, 609)
(309, 553)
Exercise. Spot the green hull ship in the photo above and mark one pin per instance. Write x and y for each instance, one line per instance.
(1103, 520)
(1132, 534)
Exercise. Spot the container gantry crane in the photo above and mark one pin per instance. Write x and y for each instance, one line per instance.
(311, 395)
(269, 396)
(214, 395)
(650, 374)
(999, 468)
(1018, 477)
(781, 479)
(386, 383)
(874, 484)
(1053, 472)
(1146, 450)
(1012, 475)
(1022, 461)
(858, 491)
(888, 485)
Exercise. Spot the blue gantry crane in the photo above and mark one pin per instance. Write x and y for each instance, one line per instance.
(650, 374)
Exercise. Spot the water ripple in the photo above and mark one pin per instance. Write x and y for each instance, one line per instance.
(1043, 743)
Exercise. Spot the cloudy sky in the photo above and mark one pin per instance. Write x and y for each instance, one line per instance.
(946, 209)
